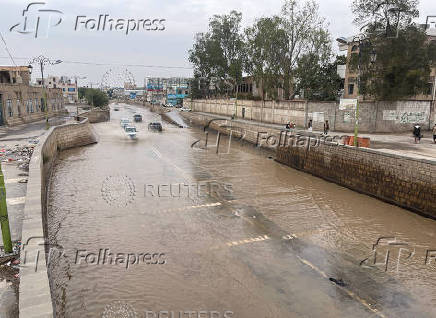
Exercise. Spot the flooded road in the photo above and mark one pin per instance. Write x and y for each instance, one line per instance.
(155, 228)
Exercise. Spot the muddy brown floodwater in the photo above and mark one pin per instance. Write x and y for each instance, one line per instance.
(252, 238)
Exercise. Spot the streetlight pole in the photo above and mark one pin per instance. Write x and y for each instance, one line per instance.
(42, 61)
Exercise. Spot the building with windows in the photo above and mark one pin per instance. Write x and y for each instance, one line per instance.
(351, 84)
(167, 90)
(22, 103)
(67, 85)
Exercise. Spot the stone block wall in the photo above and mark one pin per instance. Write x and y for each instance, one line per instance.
(400, 180)
(35, 295)
(374, 116)
(97, 115)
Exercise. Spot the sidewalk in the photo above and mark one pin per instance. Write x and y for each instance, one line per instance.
(402, 143)
(16, 146)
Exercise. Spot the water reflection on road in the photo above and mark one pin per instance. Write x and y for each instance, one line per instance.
(265, 246)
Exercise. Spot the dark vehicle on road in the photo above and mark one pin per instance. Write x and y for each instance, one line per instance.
(137, 118)
(155, 126)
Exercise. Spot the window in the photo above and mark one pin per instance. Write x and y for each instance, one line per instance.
(9, 107)
(31, 105)
(350, 89)
(36, 105)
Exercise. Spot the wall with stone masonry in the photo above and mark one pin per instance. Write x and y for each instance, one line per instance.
(374, 116)
(400, 180)
(35, 295)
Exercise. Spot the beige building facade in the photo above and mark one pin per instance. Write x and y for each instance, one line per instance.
(22, 103)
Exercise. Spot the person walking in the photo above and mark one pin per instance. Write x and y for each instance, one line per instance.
(310, 125)
(326, 127)
(417, 134)
(434, 133)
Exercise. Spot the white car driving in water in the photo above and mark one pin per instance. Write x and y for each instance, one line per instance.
(130, 131)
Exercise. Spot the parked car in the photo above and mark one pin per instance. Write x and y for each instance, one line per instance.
(137, 118)
(184, 109)
(155, 126)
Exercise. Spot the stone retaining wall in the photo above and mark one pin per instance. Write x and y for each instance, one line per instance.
(97, 115)
(407, 182)
(35, 296)
(400, 180)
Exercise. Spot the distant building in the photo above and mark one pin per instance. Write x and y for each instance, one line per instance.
(350, 86)
(20, 102)
(171, 90)
(68, 86)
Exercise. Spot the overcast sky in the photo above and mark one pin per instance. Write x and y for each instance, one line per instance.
(166, 48)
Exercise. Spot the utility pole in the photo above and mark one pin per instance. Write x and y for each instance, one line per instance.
(4, 219)
(42, 61)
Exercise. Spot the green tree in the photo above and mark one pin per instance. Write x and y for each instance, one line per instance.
(96, 97)
(305, 30)
(385, 17)
(318, 80)
(266, 45)
(402, 67)
(219, 53)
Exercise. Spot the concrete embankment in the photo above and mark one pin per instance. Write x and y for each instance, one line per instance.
(397, 179)
(404, 181)
(97, 115)
(35, 297)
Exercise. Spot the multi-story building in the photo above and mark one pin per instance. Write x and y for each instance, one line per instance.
(20, 102)
(67, 85)
(351, 85)
(167, 90)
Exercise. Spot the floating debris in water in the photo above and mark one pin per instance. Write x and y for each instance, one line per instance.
(339, 282)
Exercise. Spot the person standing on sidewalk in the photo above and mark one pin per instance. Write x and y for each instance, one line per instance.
(417, 134)
(310, 125)
(434, 133)
(326, 127)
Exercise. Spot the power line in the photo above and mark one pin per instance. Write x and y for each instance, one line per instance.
(112, 64)
(7, 49)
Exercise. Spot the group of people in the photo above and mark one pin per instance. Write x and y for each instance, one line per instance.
(416, 130)
(291, 125)
(417, 134)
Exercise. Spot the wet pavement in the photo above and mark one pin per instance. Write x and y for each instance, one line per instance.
(16, 147)
(152, 225)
